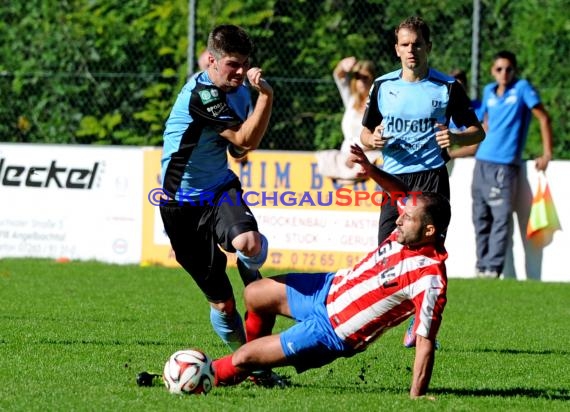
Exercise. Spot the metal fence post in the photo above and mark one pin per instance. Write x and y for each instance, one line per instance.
(191, 37)
(475, 52)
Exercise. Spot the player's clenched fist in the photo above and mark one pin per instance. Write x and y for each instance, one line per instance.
(257, 82)
(443, 136)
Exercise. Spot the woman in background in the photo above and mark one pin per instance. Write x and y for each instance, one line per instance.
(353, 79)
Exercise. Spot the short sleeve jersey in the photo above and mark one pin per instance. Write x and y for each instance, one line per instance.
(508, 119)
(476, 104)
(409, 112)
(194, 157)
(385, 288)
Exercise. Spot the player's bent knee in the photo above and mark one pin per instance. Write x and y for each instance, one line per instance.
(247, 243)
(252, 292)
(254, 262)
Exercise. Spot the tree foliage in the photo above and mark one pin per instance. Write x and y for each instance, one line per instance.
(107, 72)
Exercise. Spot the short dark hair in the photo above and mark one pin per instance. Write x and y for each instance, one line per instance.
(415, 24)
(505, 54)
(229, 39)
(437, 211)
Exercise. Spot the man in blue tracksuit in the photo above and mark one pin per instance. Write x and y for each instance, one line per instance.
(507, 106)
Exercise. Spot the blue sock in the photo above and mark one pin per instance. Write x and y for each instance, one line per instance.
(255, 262)
(229, 328)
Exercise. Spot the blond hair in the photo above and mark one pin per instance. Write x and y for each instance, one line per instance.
(368, 67)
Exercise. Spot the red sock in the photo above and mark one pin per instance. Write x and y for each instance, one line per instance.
(257, 326)
(226, 373)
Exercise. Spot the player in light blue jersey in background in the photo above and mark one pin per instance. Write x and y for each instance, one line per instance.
(202, 208)
(408, 115)
(407, 118)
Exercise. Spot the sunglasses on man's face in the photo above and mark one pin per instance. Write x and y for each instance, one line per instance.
(508, 69)
(361, 76)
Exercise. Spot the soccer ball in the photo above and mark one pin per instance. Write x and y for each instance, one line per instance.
(188, 371)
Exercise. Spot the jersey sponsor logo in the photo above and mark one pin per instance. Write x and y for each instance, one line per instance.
(16, 175)
(398, 125)
(208, 95)
(216, 109)
(410, 147)
(436, 103)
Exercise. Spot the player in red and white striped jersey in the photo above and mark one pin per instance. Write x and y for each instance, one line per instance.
(339, 314)
(387, 287)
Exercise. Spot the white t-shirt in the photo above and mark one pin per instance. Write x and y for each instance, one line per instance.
(351, 124)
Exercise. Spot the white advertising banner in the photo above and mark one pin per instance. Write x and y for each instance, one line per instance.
(71, 202)
(94, 203)
(326, 230)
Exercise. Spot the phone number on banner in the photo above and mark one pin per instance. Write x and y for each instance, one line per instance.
(311, 260)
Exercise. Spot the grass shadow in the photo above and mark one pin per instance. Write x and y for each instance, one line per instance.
(562, 394)
(550, 394)
(511, 351)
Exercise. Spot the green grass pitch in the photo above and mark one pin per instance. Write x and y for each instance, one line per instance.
(73, 337)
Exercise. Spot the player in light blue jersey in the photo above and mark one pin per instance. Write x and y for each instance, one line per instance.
(508, 106)
(407, 117)
(202, 207)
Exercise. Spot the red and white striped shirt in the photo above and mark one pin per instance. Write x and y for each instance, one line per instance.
(387, 287)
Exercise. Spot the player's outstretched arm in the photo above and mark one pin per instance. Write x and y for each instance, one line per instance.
(388, 182)
(423, 367)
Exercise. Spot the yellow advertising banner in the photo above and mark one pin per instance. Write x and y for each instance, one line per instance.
(156, 248)
(311, 222)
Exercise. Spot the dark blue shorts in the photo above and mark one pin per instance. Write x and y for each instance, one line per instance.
(195, 231)
(312, 342)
